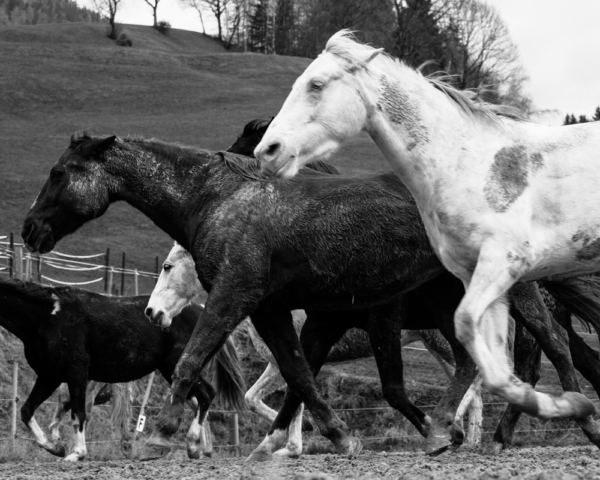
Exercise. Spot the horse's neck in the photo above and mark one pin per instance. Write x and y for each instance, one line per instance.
(423, 135)
(162, 190)
(21, 314)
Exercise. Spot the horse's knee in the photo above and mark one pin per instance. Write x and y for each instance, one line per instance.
(464, 324)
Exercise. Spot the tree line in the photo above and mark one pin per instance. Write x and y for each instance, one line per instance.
(465, 38)
(570, 119)
(33, 12)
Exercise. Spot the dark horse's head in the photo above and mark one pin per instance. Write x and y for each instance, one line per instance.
(250, 137)
(76, 191)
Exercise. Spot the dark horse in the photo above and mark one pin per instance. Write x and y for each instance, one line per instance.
(75, 336)
(322, 243)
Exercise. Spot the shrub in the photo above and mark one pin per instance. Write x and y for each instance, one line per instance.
(123, 40)
(163, 27)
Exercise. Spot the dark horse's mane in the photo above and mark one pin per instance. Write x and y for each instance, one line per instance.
(37, 292)
(181, 155)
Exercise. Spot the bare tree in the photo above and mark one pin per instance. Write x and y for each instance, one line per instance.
(108, 9)
(218, 9)
(154, 5)
(199, 6)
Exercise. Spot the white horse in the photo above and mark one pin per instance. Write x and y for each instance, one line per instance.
(178, 285)
(502, 200)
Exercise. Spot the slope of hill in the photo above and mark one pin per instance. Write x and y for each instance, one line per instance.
(184, 87)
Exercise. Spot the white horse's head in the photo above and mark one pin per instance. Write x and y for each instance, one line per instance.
(177, 286)
(326, 106)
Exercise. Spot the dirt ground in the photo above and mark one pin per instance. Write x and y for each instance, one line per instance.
(543, 463)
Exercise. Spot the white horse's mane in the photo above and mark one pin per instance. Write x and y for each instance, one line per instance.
(343, 44)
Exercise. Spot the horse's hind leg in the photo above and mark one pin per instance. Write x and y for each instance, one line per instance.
(77, 390)
(585, 358)
(319, 333)
(42, 389)
(385, 332)
(63, 405)
(269, 381)
(482, 325)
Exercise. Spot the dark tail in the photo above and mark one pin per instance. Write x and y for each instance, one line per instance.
(228, 377)
(581, 296)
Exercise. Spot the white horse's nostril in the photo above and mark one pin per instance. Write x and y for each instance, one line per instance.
(148, 312)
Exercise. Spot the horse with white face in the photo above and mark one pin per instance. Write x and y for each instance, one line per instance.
(502, 200)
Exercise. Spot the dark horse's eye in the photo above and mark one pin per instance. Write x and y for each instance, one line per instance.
(57, 172)
(167, 267)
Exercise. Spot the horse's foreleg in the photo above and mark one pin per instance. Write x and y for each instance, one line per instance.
(481, 324)
(210, 333)
(77, 389)
(198, 436)
(473, 404)
(527, 361)
(42, 389)
(63, 405)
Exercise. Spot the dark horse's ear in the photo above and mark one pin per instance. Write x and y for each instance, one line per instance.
(97, 145)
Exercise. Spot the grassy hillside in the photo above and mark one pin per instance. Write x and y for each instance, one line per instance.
(184, 87)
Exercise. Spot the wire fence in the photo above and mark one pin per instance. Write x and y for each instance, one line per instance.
(19, 263)
(57, 268)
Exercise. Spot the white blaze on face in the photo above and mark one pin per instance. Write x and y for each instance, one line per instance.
(56, 305)
(34, 202)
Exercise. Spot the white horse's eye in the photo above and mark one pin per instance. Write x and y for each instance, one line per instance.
(167, 267)
(316, 86)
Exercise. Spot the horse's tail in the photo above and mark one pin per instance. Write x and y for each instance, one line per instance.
(228, 377)
(579, 296)
(122, 411)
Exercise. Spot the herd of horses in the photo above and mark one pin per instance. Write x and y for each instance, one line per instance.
(483, 221)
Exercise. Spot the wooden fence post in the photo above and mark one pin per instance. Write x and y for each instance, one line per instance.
(109, 282)
(234, 433)
(135, 283)
(28, 270)
(141, 417)
(107, 263)
(18, 266)
(15, 400)
(156, 269)
(123, 275)
(11, 262)
(39, 268)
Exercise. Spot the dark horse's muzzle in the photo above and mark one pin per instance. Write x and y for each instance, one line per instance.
(37, 236)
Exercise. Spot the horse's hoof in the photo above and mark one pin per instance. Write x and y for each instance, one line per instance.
(493, 448)
(57, 450)
(260, 456)
(436, 444)
(350, 446)
(291, 451)
(72, 457)
(193, 454)
(581, 405)
(154, 452)
(457, 434)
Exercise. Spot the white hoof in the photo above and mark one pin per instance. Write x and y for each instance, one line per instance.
(73, 457)
(290, 451)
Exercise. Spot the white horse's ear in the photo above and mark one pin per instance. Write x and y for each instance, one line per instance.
(374, 53)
